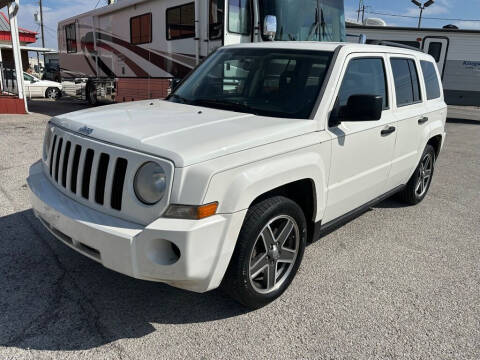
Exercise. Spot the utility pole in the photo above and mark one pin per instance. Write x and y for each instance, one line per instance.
(43, 34)
(360, 4)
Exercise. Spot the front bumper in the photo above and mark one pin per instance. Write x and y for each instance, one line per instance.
(204, 247)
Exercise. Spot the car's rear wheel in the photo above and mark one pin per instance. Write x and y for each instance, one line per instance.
(268, 253)
(53, 93)
(419, 184)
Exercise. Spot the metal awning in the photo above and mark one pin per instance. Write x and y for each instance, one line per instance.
(29, 48)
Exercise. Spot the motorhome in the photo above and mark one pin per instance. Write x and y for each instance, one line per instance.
(132, 49)
(456, 51)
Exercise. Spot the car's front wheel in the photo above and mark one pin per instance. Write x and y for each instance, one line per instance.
(268, 253)
(419, 184)
(53, 93)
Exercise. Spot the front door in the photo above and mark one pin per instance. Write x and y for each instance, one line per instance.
(362, 151)
(437, 47)
(238, 25)
(216, 24)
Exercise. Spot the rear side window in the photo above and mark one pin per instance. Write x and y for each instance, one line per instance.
(71, 37)
(407, 85)
(364, 76)
(181, 22)
(141, 29)
(431, 80)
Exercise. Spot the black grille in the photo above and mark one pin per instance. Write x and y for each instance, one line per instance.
(64, 164)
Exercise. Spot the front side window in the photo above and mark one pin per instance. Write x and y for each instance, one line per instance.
(407, 85)
(280, 83)
(181, 22)
(215, 22)
(71, 37)
(141, 29)
(431, 80)
(239, 16)
(364, 76)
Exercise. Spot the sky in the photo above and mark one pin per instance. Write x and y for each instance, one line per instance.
(468, 10)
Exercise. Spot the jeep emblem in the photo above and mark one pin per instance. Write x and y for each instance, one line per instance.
(85, 130)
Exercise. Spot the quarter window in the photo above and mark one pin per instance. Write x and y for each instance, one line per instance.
(364, 76)
(431, 80)
(239, 16)
(71, 37)
(181, 22)
(216, 16)
(141, 29)
(407, 85)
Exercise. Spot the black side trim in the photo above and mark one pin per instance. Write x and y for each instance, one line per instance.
(324, 229)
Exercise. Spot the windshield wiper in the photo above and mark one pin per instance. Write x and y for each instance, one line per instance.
(178, 97)
(226, 105)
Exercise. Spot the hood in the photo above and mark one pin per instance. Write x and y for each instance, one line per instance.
(182, 133)
(50, 83)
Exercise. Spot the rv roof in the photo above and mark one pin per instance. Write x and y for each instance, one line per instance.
(402, 28)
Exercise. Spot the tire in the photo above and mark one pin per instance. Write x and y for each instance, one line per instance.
(53, 93)
(419, 184)
(92, 95)
(251, 254)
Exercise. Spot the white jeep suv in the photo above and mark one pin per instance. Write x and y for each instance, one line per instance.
(258, 151)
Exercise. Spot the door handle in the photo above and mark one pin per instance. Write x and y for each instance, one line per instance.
(422, 120)
(388, 130)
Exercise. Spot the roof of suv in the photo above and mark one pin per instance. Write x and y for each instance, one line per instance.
(330, 46)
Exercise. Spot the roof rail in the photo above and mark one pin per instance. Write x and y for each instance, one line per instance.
(394, 44)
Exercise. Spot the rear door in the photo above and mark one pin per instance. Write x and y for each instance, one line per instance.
(362, 151)
(410, 112)
(437, 47)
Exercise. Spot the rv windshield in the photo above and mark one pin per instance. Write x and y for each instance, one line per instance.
(306, 20)
(267, 82)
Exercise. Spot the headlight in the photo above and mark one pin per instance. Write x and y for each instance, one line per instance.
(150, 183)
(47, 141)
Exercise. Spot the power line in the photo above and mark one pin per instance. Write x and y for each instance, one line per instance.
(98, 2)
(416, 17)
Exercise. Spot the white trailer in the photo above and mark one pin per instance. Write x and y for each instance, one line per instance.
(131, 50)
(457, 53)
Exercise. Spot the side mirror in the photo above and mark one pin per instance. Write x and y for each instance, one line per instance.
(270, 27)
(358, 108)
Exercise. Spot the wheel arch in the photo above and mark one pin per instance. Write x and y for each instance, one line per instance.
(436, 143)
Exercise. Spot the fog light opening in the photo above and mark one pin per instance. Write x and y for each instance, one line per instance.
(163, 252)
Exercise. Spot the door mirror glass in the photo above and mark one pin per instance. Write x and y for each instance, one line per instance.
(362, 108)
(270, 27)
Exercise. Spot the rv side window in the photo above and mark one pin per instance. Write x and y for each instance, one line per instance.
(435, 49)
(71, 36)
(181, 22)
(141, 29)
(407, 85)
(239, 16)
(431, 80)
(216, 16)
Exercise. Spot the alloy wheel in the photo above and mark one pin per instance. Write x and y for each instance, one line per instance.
(425, 175)
(274, 253)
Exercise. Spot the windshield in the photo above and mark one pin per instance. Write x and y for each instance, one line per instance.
(267, 82)
(306, 20)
